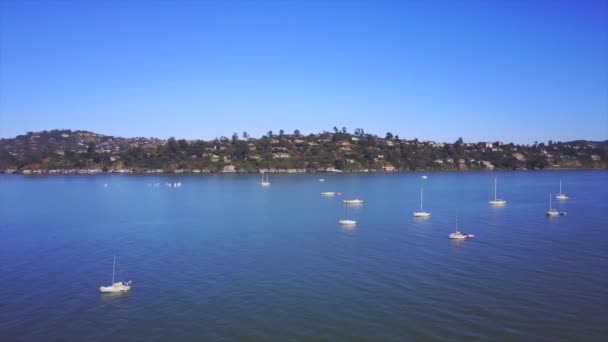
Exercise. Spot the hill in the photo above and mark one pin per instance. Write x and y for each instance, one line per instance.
(67, 151)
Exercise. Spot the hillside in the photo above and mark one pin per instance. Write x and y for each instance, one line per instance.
(66, 151)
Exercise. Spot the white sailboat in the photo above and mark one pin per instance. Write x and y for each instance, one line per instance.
(265, 182)
(118, 286)
(551, 211)
(422, 213)
(561, 196)
(346, 221)
(353, 201)
(328, 193)
(497, 201)
(460, 235)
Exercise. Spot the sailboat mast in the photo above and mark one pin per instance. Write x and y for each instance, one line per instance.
(550, 201)
(421, 195)
(560, 186)
(346, 211)
(495, 188)
(113, 269)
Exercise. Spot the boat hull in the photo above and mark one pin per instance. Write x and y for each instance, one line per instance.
(461, 236)
(498, 202)
(115, 288)
(348, 222)
(421, 214)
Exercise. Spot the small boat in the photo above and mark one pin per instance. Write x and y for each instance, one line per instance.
(561, 196)
(461, 235)
(265, 182)
(116, 286)
(497, 201)
(105, 185)
(458, 235)
(353, 201)
(328, 193)
(321, 180)
(346, 221)
(424, 177)
(421, 213)
(552, 211)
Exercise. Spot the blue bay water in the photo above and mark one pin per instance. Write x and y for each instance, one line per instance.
(222, 258)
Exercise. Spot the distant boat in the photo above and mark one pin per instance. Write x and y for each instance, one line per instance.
(561, 196)
(553, 212)
(105, 185)
(424, 177)
(346, 221)
(265, 182)
(421, 213)
(460, 235)
(496, 201)
(353, 201)
(321, 180)
(118, 286)
(328, 193)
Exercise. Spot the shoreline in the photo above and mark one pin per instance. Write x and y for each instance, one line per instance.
(281, 171)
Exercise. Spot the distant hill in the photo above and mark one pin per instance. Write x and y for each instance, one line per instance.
(67, 151)
(598, 144)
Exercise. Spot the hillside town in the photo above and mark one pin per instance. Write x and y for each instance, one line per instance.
(83, 152)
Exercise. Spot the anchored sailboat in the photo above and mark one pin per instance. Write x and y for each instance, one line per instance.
(561, 196)
(346, 221)
(460, 235)
(118, 286)
(265, 182)
(496, 201)
(422, 213)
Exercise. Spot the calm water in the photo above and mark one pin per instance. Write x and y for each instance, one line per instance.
(222, 258)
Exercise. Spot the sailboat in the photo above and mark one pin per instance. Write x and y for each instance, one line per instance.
(553, 212)
(421, 213)
(497, 201)
(353, 201)
(118, 286)
(460, 235)
(561, 195)
(346, 221)
(265, 182)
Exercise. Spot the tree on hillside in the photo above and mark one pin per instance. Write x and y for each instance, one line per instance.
(269, 134)
(335, 129)
(281, 133)
(172, 145)
(389, 135)
(183, 144)
(344, 130)
(296, 132)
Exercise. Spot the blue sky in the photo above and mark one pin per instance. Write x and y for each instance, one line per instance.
(435, 70)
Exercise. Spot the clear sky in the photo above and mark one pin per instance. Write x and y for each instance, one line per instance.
(435, 70)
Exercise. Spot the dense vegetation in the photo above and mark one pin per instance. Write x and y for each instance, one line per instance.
(336, 150)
